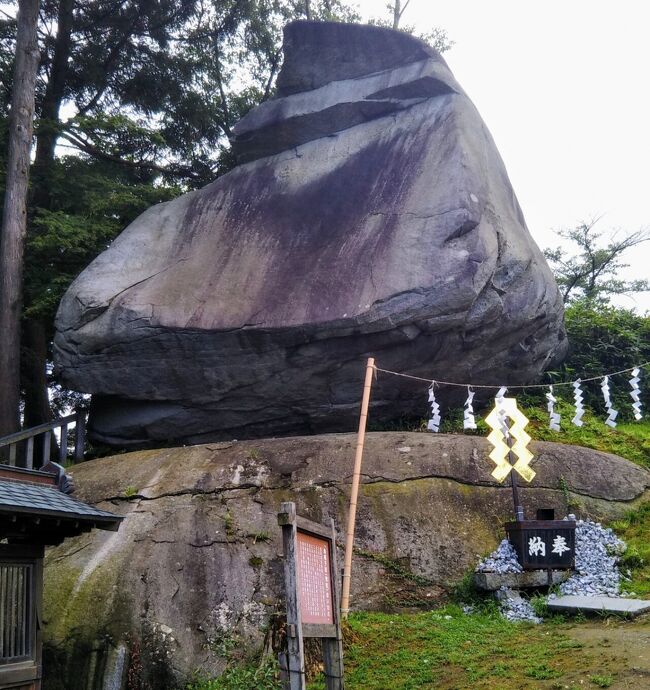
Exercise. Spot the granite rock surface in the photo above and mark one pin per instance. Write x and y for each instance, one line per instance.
(196, 567)
(370, 214)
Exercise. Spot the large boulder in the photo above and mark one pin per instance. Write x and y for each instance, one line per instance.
(195, 572)
(370, 214)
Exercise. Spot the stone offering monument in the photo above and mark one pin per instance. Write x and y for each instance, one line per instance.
(370, 213)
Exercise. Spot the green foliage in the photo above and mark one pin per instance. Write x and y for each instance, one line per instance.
(250, 676)
(540, 605)
(465, 593)
(229, 523)
(634, 529)
(263, 537)
(592, 273)
(91, 202)
(437, 38)
(158, 86)
(605, 339)
(602, 681)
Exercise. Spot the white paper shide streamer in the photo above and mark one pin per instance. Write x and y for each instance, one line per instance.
(434, 422)
(554, 417)
(468, 415)
(498, 401)
(611, 412)
(635, 393)
(577, 400)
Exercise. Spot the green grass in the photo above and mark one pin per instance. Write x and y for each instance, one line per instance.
(630, 440)
(447, 649)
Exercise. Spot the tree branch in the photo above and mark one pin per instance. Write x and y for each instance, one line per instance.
(92, 150)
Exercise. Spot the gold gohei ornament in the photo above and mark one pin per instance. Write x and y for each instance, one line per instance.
(506, 408)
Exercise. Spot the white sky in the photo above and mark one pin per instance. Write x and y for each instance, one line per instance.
(564, 87)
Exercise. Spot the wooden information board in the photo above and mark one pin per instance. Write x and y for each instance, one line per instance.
(314, 574)
(312, 594)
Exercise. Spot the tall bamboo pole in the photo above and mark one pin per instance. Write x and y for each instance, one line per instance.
(352, 513)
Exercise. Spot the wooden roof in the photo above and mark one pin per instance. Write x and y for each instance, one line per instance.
(34, 510)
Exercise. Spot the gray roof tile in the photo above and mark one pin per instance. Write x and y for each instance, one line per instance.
(19, 497)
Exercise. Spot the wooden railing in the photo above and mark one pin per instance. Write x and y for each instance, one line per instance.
(27, 437)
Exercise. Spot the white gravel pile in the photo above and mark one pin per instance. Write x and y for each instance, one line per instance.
(503, 560)
(514, 607)
(597, 553)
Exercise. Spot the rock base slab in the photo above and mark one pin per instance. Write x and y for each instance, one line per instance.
(580, 604)
(491, 582)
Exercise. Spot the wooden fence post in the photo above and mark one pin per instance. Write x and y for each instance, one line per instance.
(295, 664)
(333, 646)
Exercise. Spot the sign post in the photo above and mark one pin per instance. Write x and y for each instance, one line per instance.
(312, 597)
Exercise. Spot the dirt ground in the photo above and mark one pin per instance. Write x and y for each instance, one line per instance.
(621, 648)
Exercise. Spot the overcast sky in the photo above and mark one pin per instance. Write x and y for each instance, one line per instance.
(564, 87)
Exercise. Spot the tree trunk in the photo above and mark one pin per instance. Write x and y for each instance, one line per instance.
(34, 380)
(34, 383)
(35, 333)
(14, 217)
(397, 13)
(47, 133)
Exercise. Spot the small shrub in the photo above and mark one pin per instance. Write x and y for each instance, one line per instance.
(262, 677)
(229, 523)
(540, 605)
(632, 558)
(259, 536)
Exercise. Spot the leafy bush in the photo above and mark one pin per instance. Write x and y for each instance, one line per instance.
(602, 340)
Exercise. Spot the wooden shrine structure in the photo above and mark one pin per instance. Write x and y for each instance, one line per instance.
(36, 511)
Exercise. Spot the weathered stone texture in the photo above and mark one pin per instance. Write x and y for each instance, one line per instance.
(371, 214)
(196, 566)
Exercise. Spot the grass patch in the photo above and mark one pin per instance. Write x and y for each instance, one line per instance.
(447, 649)
(629, 440)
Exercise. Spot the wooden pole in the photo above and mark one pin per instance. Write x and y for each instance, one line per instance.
(519, 511)
(352, 513)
